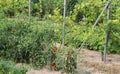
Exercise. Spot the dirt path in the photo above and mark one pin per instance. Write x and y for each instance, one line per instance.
(91, 61)
(42, 71)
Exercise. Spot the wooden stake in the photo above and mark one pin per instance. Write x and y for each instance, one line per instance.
(29, 10)
(64, 21)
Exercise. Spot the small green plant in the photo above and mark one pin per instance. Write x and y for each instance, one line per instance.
(7, 67)
(65, 60)
(70, 60)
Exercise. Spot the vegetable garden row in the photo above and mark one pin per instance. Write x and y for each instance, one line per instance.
(34, 41)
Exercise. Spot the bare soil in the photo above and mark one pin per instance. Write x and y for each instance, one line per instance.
(42, 71)
(92, 62)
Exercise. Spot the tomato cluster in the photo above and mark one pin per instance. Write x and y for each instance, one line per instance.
(54, 57)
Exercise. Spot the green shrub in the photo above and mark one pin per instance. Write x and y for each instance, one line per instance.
(20, 42)
(13, 7)
(79, 26)
(41, 47)
(65, 60)
(11, 38)
(7, 67)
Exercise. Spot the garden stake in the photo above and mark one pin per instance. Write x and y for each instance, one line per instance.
(63, 30)
(29, 10)
(94, 24)
(107, 34)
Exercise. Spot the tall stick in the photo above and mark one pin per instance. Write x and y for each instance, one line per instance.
(29, 10)
(94, 24)
(64, 21)
(107, 35)
(101, 13)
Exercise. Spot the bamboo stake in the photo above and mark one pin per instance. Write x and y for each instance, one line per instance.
(29, 10)
(64, 21)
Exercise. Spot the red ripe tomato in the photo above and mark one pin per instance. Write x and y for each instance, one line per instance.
(53, 65)
(55, 48)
